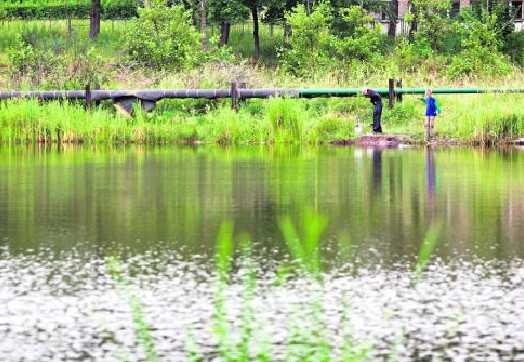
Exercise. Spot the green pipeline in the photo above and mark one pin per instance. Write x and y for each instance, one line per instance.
(353, 92)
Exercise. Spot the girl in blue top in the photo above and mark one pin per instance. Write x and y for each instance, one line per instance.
(432, 108)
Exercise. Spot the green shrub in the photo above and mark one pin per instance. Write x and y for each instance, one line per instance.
(314, 45)
(409, 56)
(359, 41)
(285, 120)
(480, 45)
(311, 43)
(164, 37)
(404, 112)
(514, 47)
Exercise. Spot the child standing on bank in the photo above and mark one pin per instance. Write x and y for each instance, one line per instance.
(432, 108)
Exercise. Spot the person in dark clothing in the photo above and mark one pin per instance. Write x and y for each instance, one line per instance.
(376, 100)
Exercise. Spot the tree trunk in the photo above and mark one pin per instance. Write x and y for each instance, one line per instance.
(254, 13)
(94, 24)
(393, 16)
(203, 10)
(225, 29)
(287, 32)
(413, 27)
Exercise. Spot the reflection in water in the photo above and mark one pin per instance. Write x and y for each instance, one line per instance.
(431, 182)
(377, 170)
(130, 199)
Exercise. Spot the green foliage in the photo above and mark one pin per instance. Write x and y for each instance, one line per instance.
(48, 69)
(331, 128)
(480, 46)
(226, 10)
(358, 41)
(504, 16)
(311, 43)
(32, 10)
(409, 56)
(403, 113)
(427, 248)
(285, 123)
(164, 37)
(304, 247)
(143, 330)
(314, 46)
(514, 47)
(433, 22)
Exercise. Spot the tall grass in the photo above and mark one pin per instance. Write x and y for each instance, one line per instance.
(143, 330)
(243, 340)
(486, 118)
(427, 249)
(56, 35)
(483, 118)
(277, 121)
(307, 333)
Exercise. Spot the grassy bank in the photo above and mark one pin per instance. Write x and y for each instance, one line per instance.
(476, 118)
(275, 121)
(468, 118)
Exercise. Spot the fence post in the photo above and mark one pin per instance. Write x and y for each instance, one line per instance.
(69, 26)
(88, 97)
(399, 85)
(240, 100)
(234, 95)
(391, 93)
(98, 101)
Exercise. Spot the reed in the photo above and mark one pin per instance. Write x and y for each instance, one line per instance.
(426, 250)
(477, 119)
(142, 328)
(277, 121)
(244, 339)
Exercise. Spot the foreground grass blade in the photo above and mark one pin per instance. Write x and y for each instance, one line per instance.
(427, 248)
(143, 330)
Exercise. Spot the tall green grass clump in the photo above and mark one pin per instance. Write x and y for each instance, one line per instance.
(286, 120)
(23, 121)
(331, 127)
(308, 339)
(225, 126)
(239, 349)
(305, 247)
(484, 119)
(142, 328)
(426, 250)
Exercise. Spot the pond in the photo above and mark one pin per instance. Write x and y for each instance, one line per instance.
(158, 210)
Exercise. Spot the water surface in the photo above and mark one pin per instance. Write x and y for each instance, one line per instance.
(63, 211)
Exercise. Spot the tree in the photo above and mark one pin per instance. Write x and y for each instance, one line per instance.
(94, 23)
(412, 18)
(430, 17)
(164, 38)
(276, 12)
(315, 44)
(393, 18)
(505, 15)
(254, 6)
(224, 12)
(203, 10)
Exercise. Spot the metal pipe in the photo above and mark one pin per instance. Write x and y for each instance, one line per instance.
(156, 95)
(125, 99)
